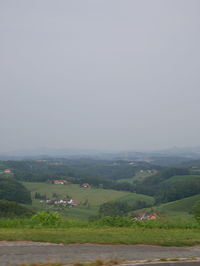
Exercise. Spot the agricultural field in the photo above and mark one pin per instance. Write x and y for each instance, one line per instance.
(139, 176)
(133, 197)
(89, 199)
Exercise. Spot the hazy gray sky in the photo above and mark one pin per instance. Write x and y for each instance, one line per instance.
(102, 74)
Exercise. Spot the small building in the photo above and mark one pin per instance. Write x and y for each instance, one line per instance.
(65, 202)
(59, 182)
(153, 216)
(144, 216)
(7, 171)
(85, 185)
(73, 202)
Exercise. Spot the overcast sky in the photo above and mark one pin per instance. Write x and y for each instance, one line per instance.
(99, 74)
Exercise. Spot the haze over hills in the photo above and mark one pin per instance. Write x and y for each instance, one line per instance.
(173, 155)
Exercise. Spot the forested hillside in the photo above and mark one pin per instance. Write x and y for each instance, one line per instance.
(170, 184)
(99, 173)
(12, 190)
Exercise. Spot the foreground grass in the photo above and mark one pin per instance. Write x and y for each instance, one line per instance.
(44, 264)
(113, 262)
(94, 263)
(165, 237)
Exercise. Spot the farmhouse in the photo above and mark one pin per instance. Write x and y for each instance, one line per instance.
(64, 202)
(59, 182)
(153, 216)
(73, 202)
(144, 216)
(86, 185)
(7, 171)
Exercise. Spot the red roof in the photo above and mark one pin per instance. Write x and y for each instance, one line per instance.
(86, 185)
(142, 214)
(59, 181)
(7, 171)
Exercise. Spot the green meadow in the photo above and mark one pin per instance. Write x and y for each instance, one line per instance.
(95, 196)
(89, 199)
(138, 177)
(166, 237)
(177, 210)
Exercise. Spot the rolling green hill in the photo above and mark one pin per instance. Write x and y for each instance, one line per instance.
(179, 208)
(94, 197)
(139, 176)
(181, 178)
(131, 197)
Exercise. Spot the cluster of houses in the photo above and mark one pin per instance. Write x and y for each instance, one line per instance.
(64, 182)
(144, 216)
(67, 202)
(6, 171)
(60, 182)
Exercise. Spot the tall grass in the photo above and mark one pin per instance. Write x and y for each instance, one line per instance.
(105, 222)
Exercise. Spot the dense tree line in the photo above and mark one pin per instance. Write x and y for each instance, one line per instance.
(165, 192)
(119, 208)
(44, 170)
(178, 191)
(40, 196)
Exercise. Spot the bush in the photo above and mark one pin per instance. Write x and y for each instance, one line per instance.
(114, 221)
(196, 211)
(12, 190)
(13, 209)
(46, 219)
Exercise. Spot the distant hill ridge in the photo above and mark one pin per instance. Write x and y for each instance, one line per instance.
(166, 157)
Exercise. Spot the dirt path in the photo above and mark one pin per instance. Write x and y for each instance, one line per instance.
(15, 253)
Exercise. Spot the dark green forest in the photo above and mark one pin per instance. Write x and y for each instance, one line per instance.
(12, 209)
(12, 190)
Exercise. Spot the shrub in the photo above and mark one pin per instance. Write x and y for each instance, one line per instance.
(114, 221)
(12, 190)
(196, 211)
(13, 209)
(46, 219)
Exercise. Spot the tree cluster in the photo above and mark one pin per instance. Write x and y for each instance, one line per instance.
(120, 208)
(10, 209)
(12, 190)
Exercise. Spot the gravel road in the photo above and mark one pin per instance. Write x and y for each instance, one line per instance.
(18, 252)
(190, 263)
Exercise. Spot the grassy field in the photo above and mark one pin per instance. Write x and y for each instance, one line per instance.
(131, 197)
(94, 197)
(170, 237)
(179, 209)
(138, 177)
